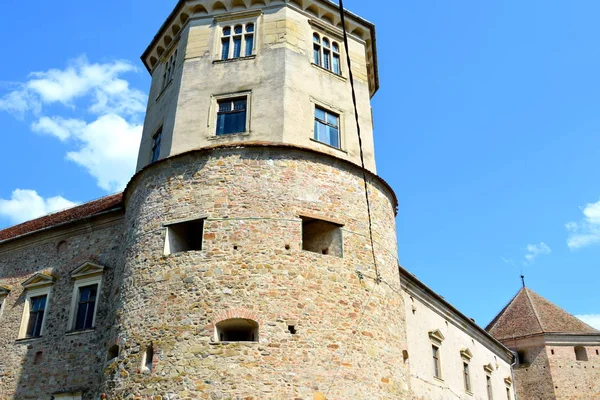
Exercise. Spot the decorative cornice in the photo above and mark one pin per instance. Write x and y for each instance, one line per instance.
(86, 270)
(239, 15)
(488, 368)
(466, 354)
(38, 280)
(436, 336)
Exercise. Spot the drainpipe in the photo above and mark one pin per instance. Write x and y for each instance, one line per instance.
(512, 373)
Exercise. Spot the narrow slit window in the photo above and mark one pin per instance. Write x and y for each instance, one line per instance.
(327, 127)
(489, 387)
(148, 358)
(467, 376)
(232, 116)
(184, 236)
(437, 368)
(321, 237)
(156, 143)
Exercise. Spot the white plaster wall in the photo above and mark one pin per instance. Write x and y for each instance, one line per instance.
(423, 383)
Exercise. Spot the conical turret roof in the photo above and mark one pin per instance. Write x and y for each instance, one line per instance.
(528, 313)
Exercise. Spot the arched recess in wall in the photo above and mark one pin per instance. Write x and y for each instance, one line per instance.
(218, 6)
(358, 32)
(581, 353)
(237, 330)
(199, 10)
(312, 9)
(238, 5)
(257, 3)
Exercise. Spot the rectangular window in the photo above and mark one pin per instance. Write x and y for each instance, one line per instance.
(237, 41)
(169, 69)
(37, 307)
(437, 369)
(86, 305)
(184, 236)
(231, 115)
(327, 127)
(489, 387)
(156, 142)
(321, 237)
(467, 376)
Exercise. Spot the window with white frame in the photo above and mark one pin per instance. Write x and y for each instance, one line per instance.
(466, 356)
(35, 310)
(169, 69)
(436, 338)
(232, 114)
(326, 53)
(327, 127)
(86, 292)
(237, 41)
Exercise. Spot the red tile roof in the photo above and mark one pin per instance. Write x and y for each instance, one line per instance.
(528, 313)
(72, 214)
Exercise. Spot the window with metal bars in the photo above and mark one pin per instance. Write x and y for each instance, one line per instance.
(327, 127)
(231, 115)
(86, 305)
(326, 54)
(37, 307)
(237, 41)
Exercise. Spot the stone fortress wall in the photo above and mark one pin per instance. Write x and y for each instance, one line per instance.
(252, 266)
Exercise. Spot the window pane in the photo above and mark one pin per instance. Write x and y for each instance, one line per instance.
(225, 51)
(224, 106)
(250, 28)
(249, 45)
(238, 29)
(38, 303)
(81, 314)
(326, 59)
(320, 113)
(333, 134)
(332, 119)
(326, 42)
(320, 132)
(239, 104)
(237, 47)
(227, 31)
(317, 54)
(336, 64)
(316, 38)
(336, 48)
(221, 124)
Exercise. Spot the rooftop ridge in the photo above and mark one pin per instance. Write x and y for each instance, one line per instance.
(535, 311)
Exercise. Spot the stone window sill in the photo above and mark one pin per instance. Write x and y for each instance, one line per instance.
(230, 60)
(438, 379)
(330, 146)
(27, 340)
(229, 136)
(80, 332)
(340, 77)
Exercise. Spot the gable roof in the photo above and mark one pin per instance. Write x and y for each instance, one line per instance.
(70, 215)
(528, 313)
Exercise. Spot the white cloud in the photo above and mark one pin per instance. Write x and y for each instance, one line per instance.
(587, 231)
(592, 320)
(28, 204)
(106, 144)
(100, 83)
(535, 250)
(106, 148)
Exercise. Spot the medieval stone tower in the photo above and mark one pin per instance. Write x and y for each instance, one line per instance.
(247, 270)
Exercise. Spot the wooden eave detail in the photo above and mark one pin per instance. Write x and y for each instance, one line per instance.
(466, 354)
(38, 280)
(86, 270)
(436, 336)
(488, 368)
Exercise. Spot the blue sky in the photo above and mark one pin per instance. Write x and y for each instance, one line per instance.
(486, 124)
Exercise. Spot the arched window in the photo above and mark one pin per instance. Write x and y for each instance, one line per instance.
(237, 330)
(581, 353)
(237, 41)
(326, 54)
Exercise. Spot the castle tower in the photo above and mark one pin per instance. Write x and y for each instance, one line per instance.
(247, 270)
(558, 354)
